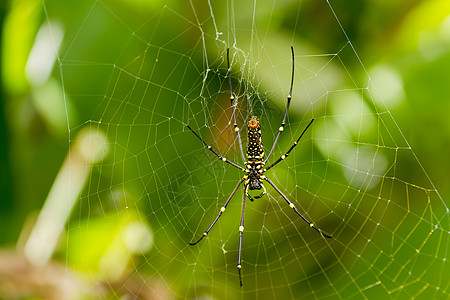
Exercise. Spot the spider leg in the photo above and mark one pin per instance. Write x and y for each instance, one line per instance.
(291, 205)
(290, 149)
(256, 197)
(247, 194)
(222, 209)
(263, 193)
(283, 123)
(241, 231)
(213, 151)
(236, 128)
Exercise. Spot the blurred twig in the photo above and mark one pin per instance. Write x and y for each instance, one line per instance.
(19, 279)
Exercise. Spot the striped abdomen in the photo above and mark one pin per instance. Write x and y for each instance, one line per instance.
(255, 149)
(255, 154)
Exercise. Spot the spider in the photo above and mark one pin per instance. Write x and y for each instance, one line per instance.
(254, 169)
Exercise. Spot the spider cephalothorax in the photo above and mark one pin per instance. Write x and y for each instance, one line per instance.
(255, 164)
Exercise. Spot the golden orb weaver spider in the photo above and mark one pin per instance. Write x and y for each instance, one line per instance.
(254, 165)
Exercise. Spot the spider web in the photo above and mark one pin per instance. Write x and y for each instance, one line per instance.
(353, 174)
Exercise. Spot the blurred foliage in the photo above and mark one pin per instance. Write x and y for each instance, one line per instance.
(90, 85)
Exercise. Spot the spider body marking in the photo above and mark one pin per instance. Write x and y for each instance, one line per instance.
(255, 156)
(255, 165)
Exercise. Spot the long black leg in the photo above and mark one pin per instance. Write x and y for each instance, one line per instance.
(280, 130)
(291, 205)
(222, 209)
(236, 128)
(213, 151)
(241, 231)
(256, 197)
(290, 149)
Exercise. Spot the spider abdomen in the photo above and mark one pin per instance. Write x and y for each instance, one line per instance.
(255, 154)
(255, 149)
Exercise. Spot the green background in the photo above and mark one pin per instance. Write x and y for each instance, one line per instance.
(137, 71)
